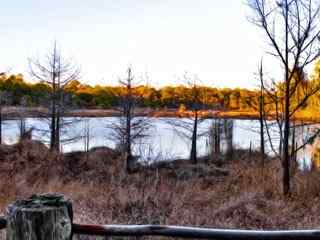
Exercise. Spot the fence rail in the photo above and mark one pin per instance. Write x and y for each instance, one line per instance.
(187, 232)
(192, 232)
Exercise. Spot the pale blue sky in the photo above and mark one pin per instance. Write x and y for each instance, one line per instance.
(165, 38)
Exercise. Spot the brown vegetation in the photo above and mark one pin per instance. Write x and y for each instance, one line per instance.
(239, 195)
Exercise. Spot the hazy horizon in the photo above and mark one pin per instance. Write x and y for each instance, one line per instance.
(212, 39)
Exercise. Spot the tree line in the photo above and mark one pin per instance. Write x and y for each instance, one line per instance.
(86, 96)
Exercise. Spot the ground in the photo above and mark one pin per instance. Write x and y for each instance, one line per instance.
(237, 193)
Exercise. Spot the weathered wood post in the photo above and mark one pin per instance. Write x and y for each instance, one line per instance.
(41, 217)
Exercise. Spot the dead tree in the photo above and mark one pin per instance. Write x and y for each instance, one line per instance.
(2, 77)
(57, 72)
(129, 127)
(86, 137)
(220, 138)
(5, 99)
(22, 124)
(292, 30)
(1, 117)
(188, 126)
(261, 116)
(261, 105)
(216, 136)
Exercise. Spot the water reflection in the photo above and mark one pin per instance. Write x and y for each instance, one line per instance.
(220, 138)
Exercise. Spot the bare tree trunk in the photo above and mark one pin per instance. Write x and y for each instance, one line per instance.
(293, 153)
(228, 125)
(59, 102)
(22, 127)
(261, 120)
(87, 138)
(128, 144)
(53, 117)
(261, 116)
(128, 111)
(286, 157)
(217, 138)
(57, 133)
(193, 154)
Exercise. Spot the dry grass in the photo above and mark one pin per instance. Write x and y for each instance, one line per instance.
(249, 197)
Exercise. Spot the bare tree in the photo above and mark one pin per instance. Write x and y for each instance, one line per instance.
(130, 127)
(261, 115)
(5, 99)
(220, 140)
(2, 102)
(22, 123)
(1, 115)
(292, 30)
(188, 127)
(87, 136)
(57, 72)
(260, 105)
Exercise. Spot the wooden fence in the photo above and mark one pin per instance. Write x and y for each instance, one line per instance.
(41, 225)
(187, 232)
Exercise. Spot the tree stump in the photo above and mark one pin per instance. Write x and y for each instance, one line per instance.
(41, 217)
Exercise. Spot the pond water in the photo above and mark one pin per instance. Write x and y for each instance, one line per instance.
(164, 142)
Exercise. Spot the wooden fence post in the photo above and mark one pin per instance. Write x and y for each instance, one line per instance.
(41, 217)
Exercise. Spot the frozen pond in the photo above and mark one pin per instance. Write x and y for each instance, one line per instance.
(163, 143)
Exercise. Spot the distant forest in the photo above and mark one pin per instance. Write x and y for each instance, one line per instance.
(18, 91)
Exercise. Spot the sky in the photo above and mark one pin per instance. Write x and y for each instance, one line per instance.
(160, 39)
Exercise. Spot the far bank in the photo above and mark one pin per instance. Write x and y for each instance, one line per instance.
(13, 112)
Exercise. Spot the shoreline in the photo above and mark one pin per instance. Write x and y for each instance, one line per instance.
(37, 112)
